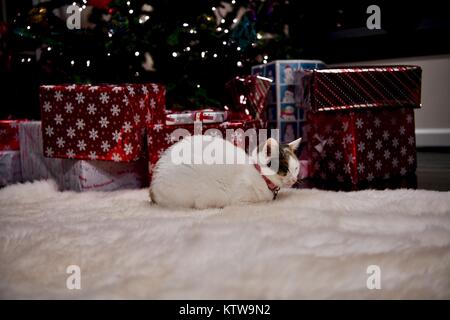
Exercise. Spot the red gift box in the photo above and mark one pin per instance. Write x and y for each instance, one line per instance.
(105, 122)
(360, 122)
(9, 135)
(159, 133)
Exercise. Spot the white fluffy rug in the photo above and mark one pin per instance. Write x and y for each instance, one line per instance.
(306, 244)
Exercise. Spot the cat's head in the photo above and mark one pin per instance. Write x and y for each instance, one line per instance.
(278, 161)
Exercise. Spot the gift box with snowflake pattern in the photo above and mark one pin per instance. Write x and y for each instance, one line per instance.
(360, 122)
(104, 122)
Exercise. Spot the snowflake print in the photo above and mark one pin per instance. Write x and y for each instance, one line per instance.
(152, 103)
(394, 163)
(385, 135)
(81, 145)
(131, 91)
(411, 140)
(338, 155)
(47, 107)
(93, 134)
(370, 177)
(93, 88)
(117, 136)
(60, 142)
(93, 155)
(344, 126)
(80, 97)
(58, 119)
(105, 146)
(104, 97)
(403, 171)
(387, 154)
(361, 146)
(71, 132)
(402, 130)
(91, 108)
(68, 107)
(127, 126)
(49, 131)
(403, 151)
(125, 100)
(103, 122)
(378, 165)
(168, 138)
(49, 152)
(331, 166)
(330, 141)
(71, 87)
(351, 158)
(158, 127)
(115, 110)
(116, 157)
(369, 134)
(410, 159)
(370, 155)
(144, 89)
(409, 118)
(148, 117)
(137, 119)
(378, 144)
(70, 154)
(347, 168)
(155, 88)
(116, 89)
(377, 122)
(359, 123)
(361, 167)
(58, 96)
(395, 142)
(149, 139)
(128, 148)
(347, 139)
(80, 124)
(141, 103)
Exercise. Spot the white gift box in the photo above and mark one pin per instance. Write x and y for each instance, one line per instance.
(10, 168)
(77, 175)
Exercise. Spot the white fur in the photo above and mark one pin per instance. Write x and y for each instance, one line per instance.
(205, 185)
(309, 244)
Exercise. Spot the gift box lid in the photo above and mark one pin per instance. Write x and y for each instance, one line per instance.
(359, 87)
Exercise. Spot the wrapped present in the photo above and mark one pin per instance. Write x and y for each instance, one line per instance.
(77, 175)
(10, 168)
(104, 122)
(189, 117)
(282, 112)
(236, 128)
(360, 122)
(9, 134)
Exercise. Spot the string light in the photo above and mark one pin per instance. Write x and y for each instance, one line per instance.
(28, 27)
(224, 43)
(174, 54)
(213, 8)
(233, 2)
(23, 60)
(188, 49)
(203, 54)
(264, 61)
(238, 48)
(222, 21)
(215, 55)
(239, 64)
(136, 53)
(258, 36)
(72, 62)
(131, 11)
(192, 31)
(226, 30)
(198, 86)
(108, 54)
(235, 20)
(83, 7)
(219, 29)
(88, 63)
(128, 3)
(185, 25)
(266, 57)
(49, 48)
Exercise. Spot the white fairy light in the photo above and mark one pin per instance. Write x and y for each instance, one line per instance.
(219, 29)
(131, 11)
(224, 43)
(137, 53)
(198, 86)
(266, 57)
(128, 3)
(215, 55)
(23, 60)
(88, 63)
(233, 2)
(28, 27)
(238, 48)
(72, 62)
(185, 24)
(108, 54)
(29, 60)
(174, 54)
(188, 49)
(83, 6)
(235, 20)
(264, 61)
(222, 21)
(239, 64)
(226, 30)
(258, 36)
(213, 8)
(203, 54)
(49, 48)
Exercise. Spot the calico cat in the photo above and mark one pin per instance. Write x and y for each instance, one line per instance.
(197, 182)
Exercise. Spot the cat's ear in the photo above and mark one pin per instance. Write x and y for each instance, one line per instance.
(270, 147)
(295, 144)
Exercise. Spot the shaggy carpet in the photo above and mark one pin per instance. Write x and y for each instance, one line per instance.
(306, 244)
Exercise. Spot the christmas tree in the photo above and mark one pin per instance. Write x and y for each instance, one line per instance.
(192, 48)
